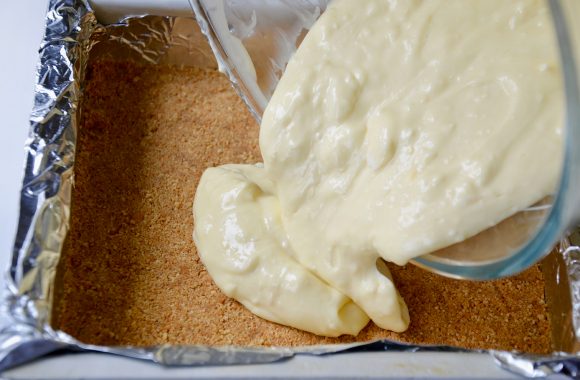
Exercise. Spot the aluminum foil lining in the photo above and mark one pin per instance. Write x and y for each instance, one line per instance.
(71, 33)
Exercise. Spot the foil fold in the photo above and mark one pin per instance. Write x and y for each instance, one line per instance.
(71, 33)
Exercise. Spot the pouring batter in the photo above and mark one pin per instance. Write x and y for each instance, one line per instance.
(398, 128)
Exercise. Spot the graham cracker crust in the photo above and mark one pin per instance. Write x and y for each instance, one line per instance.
(130, 274)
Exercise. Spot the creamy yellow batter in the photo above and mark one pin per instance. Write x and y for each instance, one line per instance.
(398, 128)
(241, 241)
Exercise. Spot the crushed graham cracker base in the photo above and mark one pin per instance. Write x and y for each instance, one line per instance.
(130, 274)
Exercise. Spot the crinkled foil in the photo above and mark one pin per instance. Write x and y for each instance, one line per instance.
(71, 33)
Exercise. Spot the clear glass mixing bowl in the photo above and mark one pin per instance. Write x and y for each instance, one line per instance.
(253, 40)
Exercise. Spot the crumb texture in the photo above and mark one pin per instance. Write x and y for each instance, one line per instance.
(130, 274)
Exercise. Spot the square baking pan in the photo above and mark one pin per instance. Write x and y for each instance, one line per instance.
(73, 33)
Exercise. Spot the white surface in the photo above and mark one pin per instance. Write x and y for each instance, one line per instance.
(367, 366)
(21, 31)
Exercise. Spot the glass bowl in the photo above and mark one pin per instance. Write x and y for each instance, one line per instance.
(253, 41)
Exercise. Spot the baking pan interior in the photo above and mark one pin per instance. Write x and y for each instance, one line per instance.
(155, 113)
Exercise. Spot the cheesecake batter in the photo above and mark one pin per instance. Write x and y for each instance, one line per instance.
(398, 128)
(246, 250)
